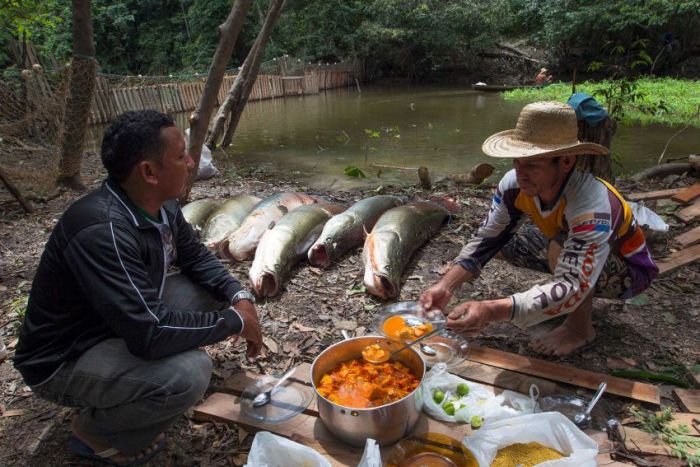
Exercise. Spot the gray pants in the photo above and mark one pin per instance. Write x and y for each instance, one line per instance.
(127, 400)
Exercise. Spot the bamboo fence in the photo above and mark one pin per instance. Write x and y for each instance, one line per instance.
(109, 101)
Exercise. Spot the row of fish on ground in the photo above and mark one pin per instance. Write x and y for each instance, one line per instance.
(279, 231)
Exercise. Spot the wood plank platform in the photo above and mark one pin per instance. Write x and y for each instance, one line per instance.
(687, 195)
(653, 195)
(689, 238)
(678, 259)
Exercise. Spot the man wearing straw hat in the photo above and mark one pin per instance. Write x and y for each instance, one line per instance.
(581, 231)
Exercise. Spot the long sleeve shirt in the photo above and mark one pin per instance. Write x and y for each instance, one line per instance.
(596, 222)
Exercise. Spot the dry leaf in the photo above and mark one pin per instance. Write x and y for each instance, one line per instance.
(303, 328)
(14, 413)
(271, 344)
(619, 363)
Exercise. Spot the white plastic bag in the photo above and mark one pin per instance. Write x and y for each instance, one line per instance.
(206, 166)
(647, 217)
(551, 429)
(371, 457)
(480, 401)
(270, 450)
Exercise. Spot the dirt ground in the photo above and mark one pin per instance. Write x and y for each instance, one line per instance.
(658, 331)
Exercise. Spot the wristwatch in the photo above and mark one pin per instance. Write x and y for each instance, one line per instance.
(242, 295)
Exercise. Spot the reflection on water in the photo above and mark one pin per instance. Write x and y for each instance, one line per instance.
(315, 137)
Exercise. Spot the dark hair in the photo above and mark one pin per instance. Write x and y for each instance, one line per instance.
(132, 137)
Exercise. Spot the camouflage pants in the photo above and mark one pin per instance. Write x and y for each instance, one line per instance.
(529, 248)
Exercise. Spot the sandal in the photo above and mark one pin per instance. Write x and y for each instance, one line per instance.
(77, 446)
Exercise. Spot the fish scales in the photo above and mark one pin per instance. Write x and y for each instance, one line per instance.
(196, 212)
(397, 234)
(227, 218)
(348, 229)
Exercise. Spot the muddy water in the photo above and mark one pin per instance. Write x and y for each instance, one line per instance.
(314, 138)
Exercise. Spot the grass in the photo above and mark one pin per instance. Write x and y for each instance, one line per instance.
(681, 98)
(682, 445)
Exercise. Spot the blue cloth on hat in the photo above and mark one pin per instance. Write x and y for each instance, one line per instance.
(587, 108)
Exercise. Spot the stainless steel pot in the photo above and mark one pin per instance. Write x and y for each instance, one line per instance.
(385, 424)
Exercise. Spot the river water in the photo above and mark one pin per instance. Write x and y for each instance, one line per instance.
(314, 138)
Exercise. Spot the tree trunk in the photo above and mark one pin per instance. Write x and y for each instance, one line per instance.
(600, 166)
(80, 92)
(199, 120)
(243, 85)
(15, 192)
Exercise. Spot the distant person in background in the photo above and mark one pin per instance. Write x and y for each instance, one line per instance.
(543, 77)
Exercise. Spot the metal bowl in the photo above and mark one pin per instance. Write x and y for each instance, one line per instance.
(385, 424)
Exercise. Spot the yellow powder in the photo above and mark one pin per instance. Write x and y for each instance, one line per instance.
(525, 455)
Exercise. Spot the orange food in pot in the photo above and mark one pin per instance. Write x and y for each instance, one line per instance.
(359, 385)
(396, 327)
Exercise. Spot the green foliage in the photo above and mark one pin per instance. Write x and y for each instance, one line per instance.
(668, 101)
(18, 301)
(677, 438)
(355, 172)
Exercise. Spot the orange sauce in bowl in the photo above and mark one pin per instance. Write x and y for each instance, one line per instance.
(359, 385)
(395, 327)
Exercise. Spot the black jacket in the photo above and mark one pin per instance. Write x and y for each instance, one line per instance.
(101, 275)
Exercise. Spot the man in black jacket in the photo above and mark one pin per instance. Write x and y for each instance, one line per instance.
(105, 329)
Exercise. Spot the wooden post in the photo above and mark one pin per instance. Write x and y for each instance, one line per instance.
(600, 166)
(424, 177)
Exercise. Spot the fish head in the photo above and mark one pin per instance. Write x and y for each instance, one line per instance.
(267, 280)
(323, 252)
(382, 264)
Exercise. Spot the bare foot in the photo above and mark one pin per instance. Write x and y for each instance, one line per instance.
(99, 446)
(563, 340)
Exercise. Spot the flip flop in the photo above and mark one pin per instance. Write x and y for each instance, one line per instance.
(77, 446)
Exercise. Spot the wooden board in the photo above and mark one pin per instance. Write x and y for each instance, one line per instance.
(691, 420)
(689, 399)
(652, 195)
(689, 213)
(678, 259)
(687, 195)
(689, 238)
(565, 374)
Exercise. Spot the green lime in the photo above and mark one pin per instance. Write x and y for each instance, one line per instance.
(462, 389)
(438, 396)
(476, 421)
(449, 408)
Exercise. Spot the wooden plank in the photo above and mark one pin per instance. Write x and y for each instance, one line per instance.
(506, 379)
(688, 238)
(564, 374)
(652, 195)
(687, 195)
(691, 420)
(689, 399)
(689, 213)
(678, 259)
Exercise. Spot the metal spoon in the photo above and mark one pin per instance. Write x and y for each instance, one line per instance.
(403, 347)
(583, 419)
(427, 350)
(264, 397)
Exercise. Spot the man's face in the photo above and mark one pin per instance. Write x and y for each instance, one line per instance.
(174, 169)
(537, 176)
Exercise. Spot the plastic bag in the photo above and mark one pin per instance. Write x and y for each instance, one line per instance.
(270, 450)
(551, 429)
(371, 457)
(480, 401)
(206, 166)
(647, 217)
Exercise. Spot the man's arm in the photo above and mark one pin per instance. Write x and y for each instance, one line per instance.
(106, 261)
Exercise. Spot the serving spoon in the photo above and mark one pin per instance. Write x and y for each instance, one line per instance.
(388, 356)
(265, 396)
(583, 419)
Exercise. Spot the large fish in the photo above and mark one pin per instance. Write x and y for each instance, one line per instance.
(227, 218)
(285, 244)
(394, 239)
(197, 212)
(241, 244)
(348, 229)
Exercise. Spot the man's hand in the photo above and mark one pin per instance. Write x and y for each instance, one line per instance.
(436, 297)
(470, 318)
(251, 327)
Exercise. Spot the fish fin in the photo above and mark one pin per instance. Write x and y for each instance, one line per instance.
(271, 226)
(283, 209)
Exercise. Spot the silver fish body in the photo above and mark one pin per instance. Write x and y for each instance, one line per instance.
(196, 212)
(397, 234)
(226, 219)
(348, 229)
(241, 244)
(284, 245)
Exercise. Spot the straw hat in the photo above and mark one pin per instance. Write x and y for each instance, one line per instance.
(544, 129)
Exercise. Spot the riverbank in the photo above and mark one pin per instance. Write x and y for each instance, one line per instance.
(652, 100)
(657, 331)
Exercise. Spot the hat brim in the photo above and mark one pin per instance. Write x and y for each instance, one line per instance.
(504, 145)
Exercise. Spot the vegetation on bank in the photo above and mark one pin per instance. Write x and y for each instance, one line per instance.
(655, 100)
